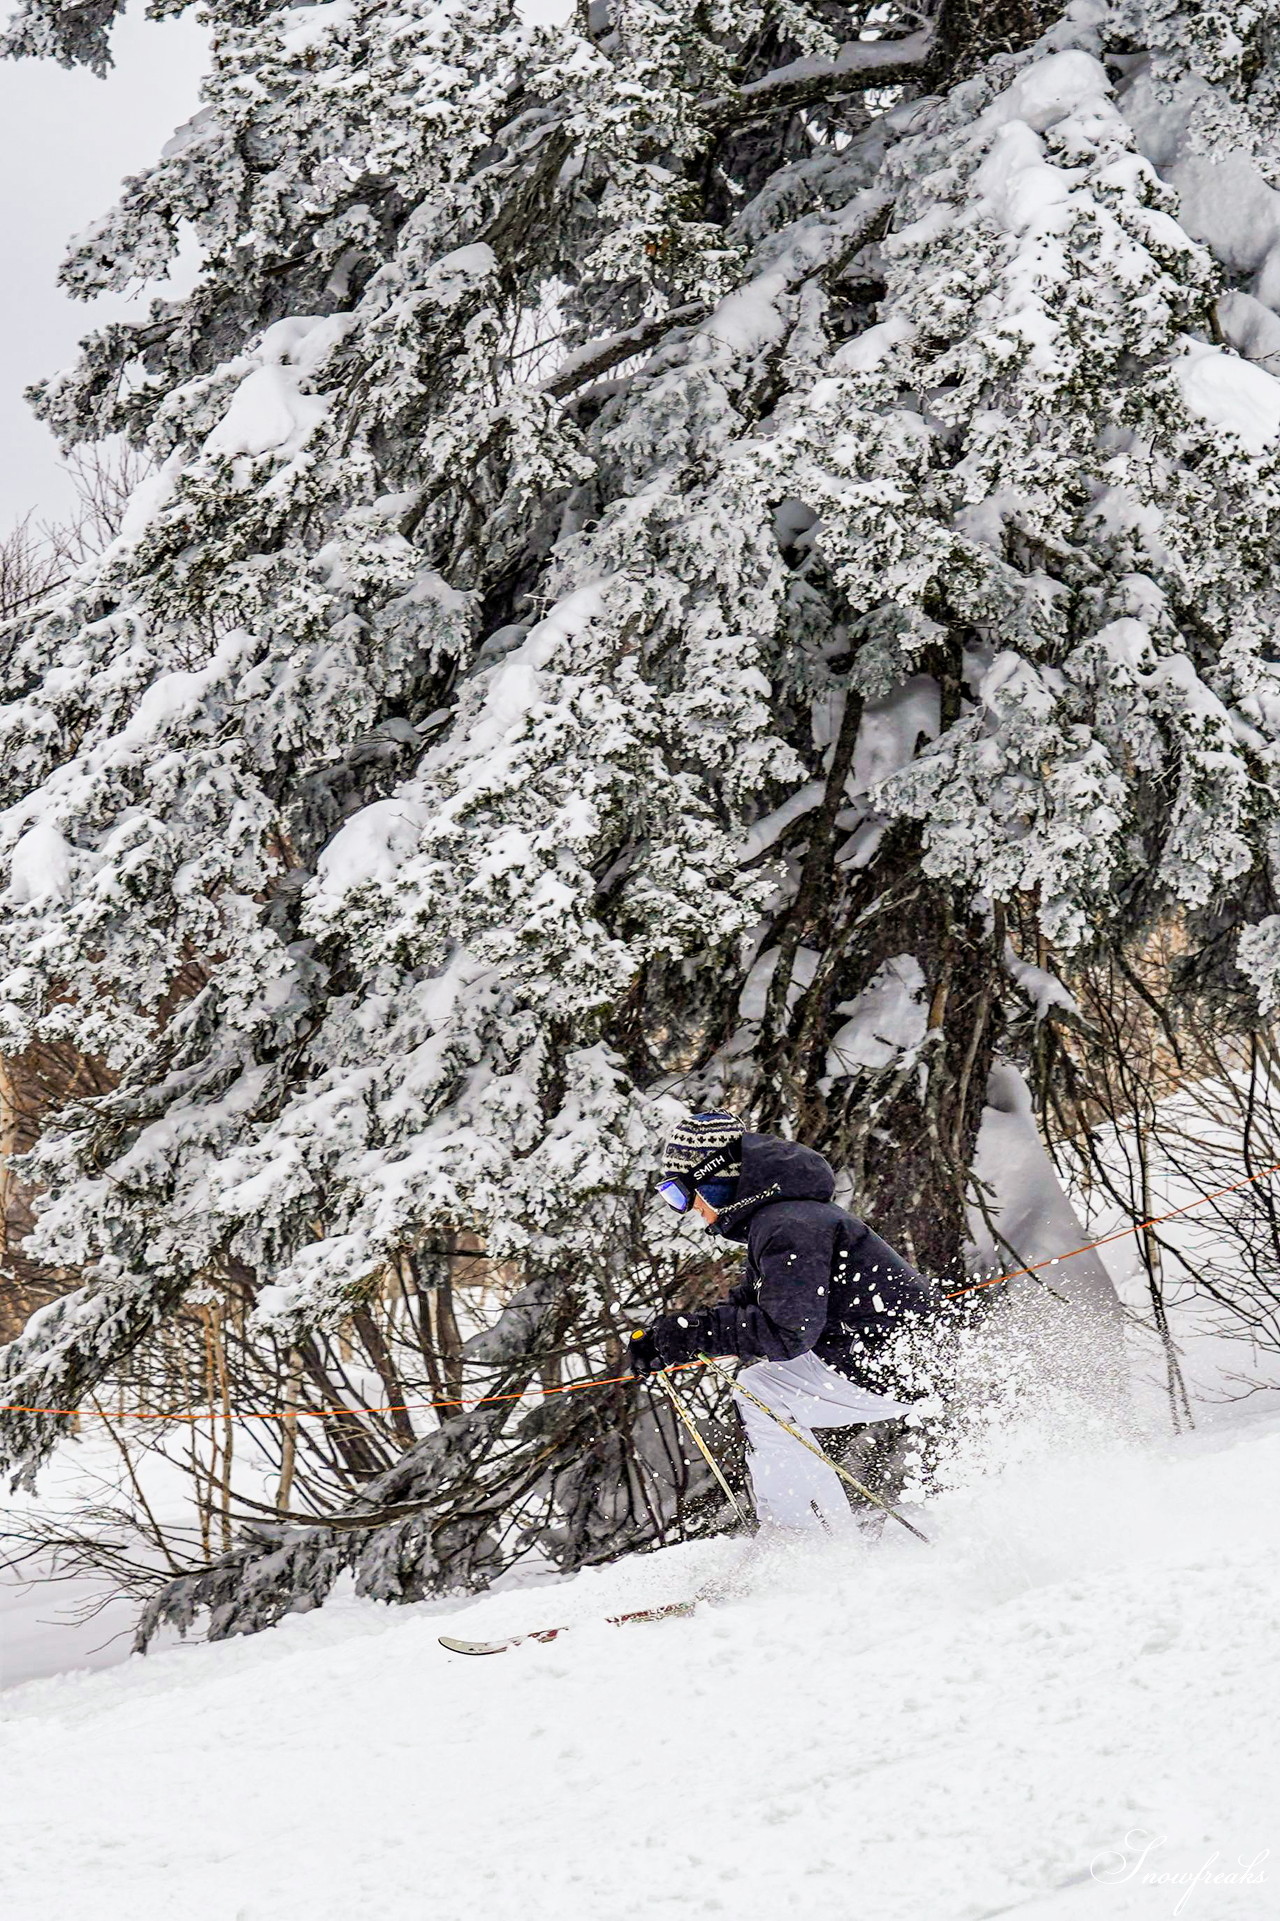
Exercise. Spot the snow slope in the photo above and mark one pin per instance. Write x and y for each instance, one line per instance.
(1074, 1690)
(40, 1631)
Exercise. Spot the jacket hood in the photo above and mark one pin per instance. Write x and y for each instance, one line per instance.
(774, 1170)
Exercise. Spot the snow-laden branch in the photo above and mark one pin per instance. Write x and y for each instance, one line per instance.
(826, 246)
(859, 63)
(598, 356)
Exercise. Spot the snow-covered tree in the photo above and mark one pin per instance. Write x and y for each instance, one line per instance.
(690, 549)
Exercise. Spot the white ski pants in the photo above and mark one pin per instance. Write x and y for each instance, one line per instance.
(792, 1488)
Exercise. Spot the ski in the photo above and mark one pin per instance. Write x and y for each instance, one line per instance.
(550, 1634)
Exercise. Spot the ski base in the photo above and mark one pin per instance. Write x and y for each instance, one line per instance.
(550, 1634)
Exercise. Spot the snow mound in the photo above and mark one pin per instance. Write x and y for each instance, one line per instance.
(1067, 1697)
(888, 1019)
(1231, 393)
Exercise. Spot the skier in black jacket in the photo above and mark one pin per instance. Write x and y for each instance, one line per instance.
(821, 1298)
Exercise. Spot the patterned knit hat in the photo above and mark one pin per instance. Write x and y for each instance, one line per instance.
(701, 1136)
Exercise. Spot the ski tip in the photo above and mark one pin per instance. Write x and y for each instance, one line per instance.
(662, 1613)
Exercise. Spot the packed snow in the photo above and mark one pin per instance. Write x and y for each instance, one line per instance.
(270, 409)
(888, 1019)
(1062, 1708)
(1231, 393)
(40, 867)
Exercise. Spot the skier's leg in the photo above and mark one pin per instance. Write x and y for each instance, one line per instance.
(792, 1489)
(879, 1455)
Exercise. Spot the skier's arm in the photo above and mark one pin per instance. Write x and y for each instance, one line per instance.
(784, 1319)
(884, 1286)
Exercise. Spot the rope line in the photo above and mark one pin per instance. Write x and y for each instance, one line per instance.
(619, 1380)
(1121, 1233)
(331, 1413)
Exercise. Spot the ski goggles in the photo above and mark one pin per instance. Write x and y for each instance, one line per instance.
(678, 1190)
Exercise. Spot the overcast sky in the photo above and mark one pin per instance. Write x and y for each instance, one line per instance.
(66, 142)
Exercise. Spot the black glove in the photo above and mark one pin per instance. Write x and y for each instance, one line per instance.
(642, 1352)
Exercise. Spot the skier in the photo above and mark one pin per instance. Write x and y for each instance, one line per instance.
(821, 1297)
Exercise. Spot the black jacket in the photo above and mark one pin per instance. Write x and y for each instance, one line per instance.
(817, 1280)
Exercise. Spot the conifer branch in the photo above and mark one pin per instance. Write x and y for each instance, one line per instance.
(858, 65)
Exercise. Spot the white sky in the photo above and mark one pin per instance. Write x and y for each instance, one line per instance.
(66, 142)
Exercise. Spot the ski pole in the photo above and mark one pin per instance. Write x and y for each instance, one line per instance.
(683, 1414)
(796, 1435)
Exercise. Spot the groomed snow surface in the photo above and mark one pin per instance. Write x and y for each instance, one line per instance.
(1066, 1708)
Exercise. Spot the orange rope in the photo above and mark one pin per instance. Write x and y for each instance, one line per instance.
(329, 1413)
(1120, 1234)
(617, 1380)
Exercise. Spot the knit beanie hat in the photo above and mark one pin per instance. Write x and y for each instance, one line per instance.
(698, 1138)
